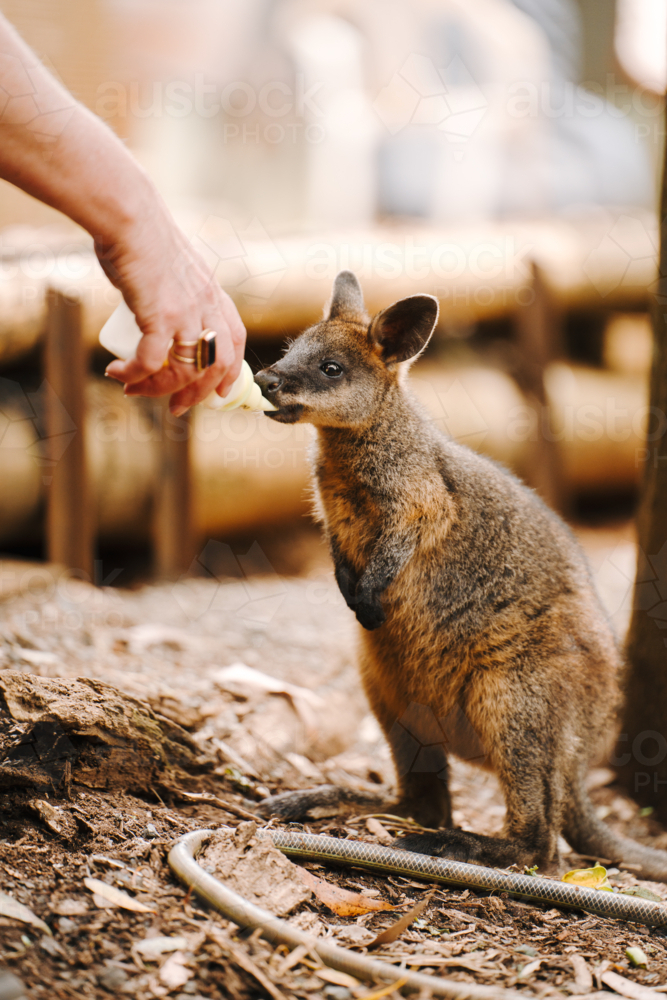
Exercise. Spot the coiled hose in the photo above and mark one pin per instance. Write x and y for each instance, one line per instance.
(377, 858)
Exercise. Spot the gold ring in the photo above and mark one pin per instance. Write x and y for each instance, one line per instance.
(179, 357)
(204, 351)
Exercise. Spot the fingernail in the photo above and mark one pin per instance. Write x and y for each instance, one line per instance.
(178, 411)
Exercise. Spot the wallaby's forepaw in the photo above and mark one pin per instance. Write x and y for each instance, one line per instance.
(459, 845)
(370, 614)
(347, 584)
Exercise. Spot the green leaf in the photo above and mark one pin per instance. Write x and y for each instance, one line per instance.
(637, 957)
(639, 890)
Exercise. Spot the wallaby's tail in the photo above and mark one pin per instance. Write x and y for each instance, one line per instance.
(587, 834)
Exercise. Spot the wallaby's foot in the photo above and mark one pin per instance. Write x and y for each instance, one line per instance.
(318, 803)
(473, 848)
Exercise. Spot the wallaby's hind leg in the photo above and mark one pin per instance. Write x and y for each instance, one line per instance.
(533, 796)
(421, 770)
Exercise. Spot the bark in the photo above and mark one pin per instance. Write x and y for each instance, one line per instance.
(57, 732)
(641, 753)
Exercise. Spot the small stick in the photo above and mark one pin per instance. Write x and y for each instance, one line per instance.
(220, 803)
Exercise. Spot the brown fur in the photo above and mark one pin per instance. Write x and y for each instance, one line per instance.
(483, 635)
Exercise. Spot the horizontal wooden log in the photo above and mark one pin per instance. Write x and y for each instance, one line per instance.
(280, 285)
(249, 471)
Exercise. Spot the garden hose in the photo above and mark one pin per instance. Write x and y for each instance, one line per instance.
(386, 860)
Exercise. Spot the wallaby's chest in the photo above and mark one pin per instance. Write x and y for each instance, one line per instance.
(352, 513)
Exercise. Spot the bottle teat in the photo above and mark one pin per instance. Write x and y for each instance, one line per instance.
(121, 335)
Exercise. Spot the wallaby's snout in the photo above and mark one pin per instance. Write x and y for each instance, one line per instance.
(337, 373)
(269, 381)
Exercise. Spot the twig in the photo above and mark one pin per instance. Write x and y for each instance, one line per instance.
(245, 962)
(213, 800)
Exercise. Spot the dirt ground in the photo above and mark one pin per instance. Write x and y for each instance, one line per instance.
(294, 718)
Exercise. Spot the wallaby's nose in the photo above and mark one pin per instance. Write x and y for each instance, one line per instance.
(268, 381)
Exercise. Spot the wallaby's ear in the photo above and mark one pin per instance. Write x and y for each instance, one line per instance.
(347, 298)
(403, 330)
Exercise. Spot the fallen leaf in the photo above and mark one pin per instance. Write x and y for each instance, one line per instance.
(109, 894)
(291, 960)
(378, 830)
(174, 972)
(589, 878)
(583, 977)
(395, 931)
(626, 987)
(343, 902)
(336, 977)
(10, 907)
(529, 969)
(152, 948)
(71, 908)
(239, 673)
(352, 934)
(60, 821)
(637, 957)
(386, 990)
(245, 962)
(639, 890)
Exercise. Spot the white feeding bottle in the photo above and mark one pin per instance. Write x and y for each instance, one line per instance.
(121, 335)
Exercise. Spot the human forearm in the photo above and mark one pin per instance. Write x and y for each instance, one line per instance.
(55, 149)
(58, 151)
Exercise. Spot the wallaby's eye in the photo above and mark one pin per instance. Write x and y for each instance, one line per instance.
(331, 369)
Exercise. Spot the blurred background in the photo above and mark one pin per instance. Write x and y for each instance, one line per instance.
(503, 155)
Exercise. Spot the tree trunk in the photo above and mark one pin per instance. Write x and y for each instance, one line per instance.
(641, 754)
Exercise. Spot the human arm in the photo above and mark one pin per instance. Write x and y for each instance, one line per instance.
(58, 151)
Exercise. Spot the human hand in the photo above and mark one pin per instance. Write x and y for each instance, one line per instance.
(173, 295)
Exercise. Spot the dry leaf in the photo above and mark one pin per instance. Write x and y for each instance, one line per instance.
(337, 978)
(643, 893)
(626, 987)
(152, 948)
(174, 972)
(10, 907)
(245, 962)
(589, 878)
(341, 901)
(386, 990)
(378, 830)
(529, 969)
(109, 894)
(583, 977)
(71, 908)
(394, 932)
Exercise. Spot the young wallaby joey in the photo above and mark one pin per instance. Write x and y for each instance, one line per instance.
(483, 635)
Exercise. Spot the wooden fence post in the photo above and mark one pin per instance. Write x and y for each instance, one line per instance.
(538, 339)
(69, 510)
(172, 528)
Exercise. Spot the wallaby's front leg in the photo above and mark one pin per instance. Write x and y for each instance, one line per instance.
(346, 578)
(390, 554)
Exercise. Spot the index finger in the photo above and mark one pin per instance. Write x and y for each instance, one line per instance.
(150, 356)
